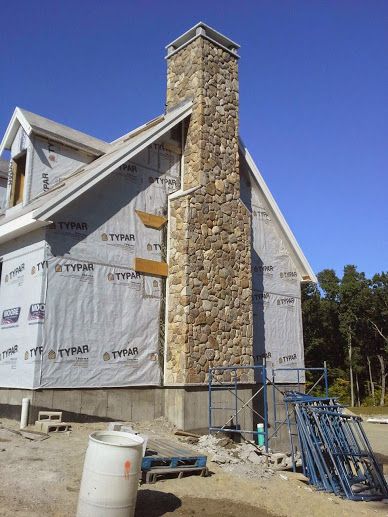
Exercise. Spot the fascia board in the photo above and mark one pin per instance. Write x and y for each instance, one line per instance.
(17, 120)
(69, 143)
(100, 172)
(20, 226)
(278, 214)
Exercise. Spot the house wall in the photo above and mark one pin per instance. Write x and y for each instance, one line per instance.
(276, 296)
(22, 310)
(52, 161)
(103, 318)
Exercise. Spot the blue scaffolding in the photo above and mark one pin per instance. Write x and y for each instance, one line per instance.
(232, 424)
(262, 379)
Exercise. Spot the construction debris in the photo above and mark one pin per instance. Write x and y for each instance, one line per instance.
(51, 422)
(243, 459)
(179, 432)
(34, 436)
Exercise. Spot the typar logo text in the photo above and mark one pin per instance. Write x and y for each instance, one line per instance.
(264, 269)
(16, 274)
(8, 353)
(125, 354)
(289, 301)
(10, 316)
(287, 358)
(261, 298)
(83, 271)
(123, 240)
(288, 275)
(77, 267)
(169, 184)
(129, 278)
(71, 228)
(129, 171)
(261, 214)
(78, 355)
(34, 354)
(39, 267)
(36, 314)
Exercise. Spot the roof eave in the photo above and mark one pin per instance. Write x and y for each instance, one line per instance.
(18, 119)
(20, 226)
(66, 141)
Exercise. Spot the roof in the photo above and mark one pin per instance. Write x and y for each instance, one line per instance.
(38, 213)
(45, 127)
(309, 275)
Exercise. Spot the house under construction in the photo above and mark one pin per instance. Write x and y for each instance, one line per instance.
(129, 268)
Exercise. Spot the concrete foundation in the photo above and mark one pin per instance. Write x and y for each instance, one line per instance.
(185, 407)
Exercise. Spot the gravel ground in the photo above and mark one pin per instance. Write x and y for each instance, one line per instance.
(41, 478)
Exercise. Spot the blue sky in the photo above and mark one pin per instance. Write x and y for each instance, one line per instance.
(313, 96)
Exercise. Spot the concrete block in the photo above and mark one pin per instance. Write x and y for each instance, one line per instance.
(50, 415)
(51, 427)
(115, 426)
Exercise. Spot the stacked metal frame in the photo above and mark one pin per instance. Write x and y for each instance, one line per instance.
(336, 454)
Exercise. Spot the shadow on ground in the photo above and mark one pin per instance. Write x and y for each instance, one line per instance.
(152, 503)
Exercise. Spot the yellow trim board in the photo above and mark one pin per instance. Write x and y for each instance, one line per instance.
(151, 267)
(151, 220)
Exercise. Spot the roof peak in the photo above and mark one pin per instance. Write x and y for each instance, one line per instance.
(204, 30)
(43, 126)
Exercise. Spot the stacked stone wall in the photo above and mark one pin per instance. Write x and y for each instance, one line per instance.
(209, 285)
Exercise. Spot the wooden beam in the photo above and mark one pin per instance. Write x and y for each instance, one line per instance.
(151, 220)
(151, 267)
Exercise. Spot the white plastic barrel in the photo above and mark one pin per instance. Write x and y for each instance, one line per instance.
(111, 475)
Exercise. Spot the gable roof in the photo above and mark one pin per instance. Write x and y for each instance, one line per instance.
(309, 275)
(38, 125)
(38, 213)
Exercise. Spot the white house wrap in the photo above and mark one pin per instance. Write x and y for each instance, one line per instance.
(91, 230)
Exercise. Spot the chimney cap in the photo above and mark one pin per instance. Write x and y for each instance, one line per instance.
(201, 29)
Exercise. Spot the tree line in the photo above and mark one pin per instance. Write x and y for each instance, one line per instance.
(345, 324)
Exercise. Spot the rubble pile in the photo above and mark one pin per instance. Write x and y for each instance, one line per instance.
(245, 459)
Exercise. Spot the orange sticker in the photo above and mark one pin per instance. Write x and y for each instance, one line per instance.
(127, 468)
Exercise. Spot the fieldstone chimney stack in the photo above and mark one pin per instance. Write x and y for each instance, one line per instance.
(209, 284)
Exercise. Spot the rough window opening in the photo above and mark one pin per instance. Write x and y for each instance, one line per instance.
(19, 173)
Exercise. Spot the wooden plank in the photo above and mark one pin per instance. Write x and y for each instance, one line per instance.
(151, 220)
(151, 267)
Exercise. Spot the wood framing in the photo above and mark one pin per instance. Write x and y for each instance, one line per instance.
(151, 220)
(151, 267)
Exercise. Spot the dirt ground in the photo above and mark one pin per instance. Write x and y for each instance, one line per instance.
(41, 478)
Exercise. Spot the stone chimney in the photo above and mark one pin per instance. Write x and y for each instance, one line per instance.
(209, 292)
